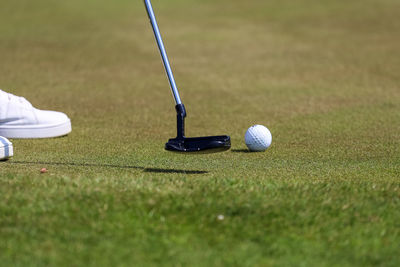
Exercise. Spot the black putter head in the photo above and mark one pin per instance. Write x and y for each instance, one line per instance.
(207, 144)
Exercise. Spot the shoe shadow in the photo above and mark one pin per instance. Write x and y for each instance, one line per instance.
(73, 164)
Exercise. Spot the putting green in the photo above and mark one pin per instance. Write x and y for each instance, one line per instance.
(323, 76)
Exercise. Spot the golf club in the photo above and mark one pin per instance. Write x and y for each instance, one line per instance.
(207, 144)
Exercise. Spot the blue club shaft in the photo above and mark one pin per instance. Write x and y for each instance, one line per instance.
(163, 53)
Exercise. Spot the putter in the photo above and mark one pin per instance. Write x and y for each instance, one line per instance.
(207, 144)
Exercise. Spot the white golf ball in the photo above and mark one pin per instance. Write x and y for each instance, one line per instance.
(258, 138)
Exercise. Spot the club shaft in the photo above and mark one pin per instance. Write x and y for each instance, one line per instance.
(163, 53)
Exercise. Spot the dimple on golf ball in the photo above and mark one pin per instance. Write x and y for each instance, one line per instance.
(258, 138)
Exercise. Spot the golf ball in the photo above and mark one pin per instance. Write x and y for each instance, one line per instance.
(258, 138)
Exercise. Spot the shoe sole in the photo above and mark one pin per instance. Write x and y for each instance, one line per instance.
(6, 149)
(36, 131)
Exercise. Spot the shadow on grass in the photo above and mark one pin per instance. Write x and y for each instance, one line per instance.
(73, 164)
(173, 171)
(240, 151)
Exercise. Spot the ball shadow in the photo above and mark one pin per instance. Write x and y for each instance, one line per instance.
(241, 151)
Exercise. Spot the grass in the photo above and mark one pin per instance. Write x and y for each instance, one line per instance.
(322, 75)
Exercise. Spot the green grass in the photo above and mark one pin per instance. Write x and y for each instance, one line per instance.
(324, 76)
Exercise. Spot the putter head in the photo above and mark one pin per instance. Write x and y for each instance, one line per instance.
(207, 144)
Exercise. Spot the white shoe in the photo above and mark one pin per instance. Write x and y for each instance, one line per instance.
(6, 148)
(19, 119)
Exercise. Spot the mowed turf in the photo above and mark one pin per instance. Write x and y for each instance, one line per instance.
(323, 76)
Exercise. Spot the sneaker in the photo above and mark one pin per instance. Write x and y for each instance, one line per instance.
(6, 148)
(19, 119)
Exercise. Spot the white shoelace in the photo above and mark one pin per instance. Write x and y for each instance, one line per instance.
(15, 98)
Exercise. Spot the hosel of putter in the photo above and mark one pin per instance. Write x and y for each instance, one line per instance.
(180, 120)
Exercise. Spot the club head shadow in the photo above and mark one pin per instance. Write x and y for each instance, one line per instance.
(207, 144)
